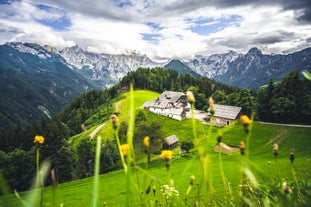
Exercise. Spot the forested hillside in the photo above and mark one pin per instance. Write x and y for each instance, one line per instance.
(287, 101)
(35, 82)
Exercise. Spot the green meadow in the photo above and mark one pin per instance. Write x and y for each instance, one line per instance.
(258, 179)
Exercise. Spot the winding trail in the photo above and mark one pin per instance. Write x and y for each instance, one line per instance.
(225, 148)
(92, 135)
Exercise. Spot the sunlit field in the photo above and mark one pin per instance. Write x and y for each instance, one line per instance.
(201, 177)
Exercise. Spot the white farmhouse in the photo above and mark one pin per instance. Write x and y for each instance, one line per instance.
(169, 103)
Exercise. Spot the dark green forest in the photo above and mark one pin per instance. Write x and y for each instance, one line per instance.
(286, 101)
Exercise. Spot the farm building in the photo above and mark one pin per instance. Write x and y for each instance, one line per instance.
(224, 115)
(170, 142)
(169, 103)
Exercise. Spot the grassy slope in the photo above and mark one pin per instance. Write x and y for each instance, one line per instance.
(112, 185)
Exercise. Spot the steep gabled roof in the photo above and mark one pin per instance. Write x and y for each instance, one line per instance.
(171, 139)
(171, 96)
(167, 99)
(228, 112)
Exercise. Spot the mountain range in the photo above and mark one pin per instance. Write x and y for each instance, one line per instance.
(40, 80)
(250, 70)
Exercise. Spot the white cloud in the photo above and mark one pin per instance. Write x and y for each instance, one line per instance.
(119, 26)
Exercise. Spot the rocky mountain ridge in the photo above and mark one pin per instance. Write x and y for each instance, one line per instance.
(249, 70)
(39, 80)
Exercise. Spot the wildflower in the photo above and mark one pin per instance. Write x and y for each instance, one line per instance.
(286, 188)
(192, 178)
(124, 149)
(245, 121)
(292, 155)
(242, 148)
(211, 101)
(211, 105)
(167, 156)
(275, 150)
(190, 97)
(39, 139)
(169, 192)
(146, 141)
(114, 119)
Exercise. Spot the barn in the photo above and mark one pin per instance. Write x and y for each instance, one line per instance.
(225, 115)
(170, 142)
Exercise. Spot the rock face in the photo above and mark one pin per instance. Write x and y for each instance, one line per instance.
(252, 69)
(103, 68)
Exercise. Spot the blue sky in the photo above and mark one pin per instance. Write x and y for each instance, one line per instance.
(208, 26)
(162, 29)
(59, 24)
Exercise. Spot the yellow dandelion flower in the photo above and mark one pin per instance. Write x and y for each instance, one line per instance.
(244, 119)
(146, 141)
(242, 145)
(242, 148)
(167, 154)
(125, 149)
(39, 139)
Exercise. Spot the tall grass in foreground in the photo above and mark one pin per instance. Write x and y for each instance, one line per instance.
(142, 188)
(255, 189)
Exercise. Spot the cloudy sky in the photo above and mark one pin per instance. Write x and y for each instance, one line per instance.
(162, 29)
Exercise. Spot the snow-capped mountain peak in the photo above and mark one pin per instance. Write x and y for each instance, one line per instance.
(254, 51)
(213, 65)
(105, 65)
(30, 48)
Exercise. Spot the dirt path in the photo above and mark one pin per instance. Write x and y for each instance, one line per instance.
(225, 148)
(92, 135)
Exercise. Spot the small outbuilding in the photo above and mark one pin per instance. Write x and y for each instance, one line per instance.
(170, 142)
(225, 115)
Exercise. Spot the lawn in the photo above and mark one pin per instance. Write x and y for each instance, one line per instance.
(221, 181)
(112, 188)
